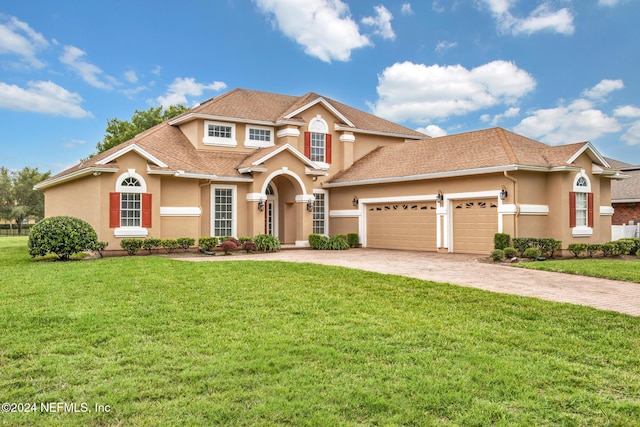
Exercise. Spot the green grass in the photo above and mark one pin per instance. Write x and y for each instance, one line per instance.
(599, 267)
(166, 342)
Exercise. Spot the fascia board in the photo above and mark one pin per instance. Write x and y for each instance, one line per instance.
(326, 104)
(133, 147)
(71, 176)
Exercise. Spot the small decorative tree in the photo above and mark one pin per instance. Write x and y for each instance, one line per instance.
(63, 236)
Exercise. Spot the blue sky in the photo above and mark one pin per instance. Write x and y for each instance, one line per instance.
(559, 71)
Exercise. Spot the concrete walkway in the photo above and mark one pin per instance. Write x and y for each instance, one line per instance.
(464, 270)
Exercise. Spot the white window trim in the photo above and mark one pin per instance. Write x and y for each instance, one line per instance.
(249, 143)
(132, 231)
(582, 230)
(326, 210)
(212, 140)
(234, 202)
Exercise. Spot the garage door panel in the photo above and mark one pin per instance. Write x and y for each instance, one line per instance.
(407, 225)
(475, 223)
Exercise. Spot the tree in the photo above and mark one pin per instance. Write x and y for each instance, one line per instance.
(119, 131)
(18, 199)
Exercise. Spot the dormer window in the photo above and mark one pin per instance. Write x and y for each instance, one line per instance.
(219, 133)
(317, 142)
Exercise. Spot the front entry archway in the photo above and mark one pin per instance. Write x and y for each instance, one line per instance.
(271, 211)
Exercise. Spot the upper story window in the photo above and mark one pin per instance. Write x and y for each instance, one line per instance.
(317, 142)
(219, 133)
(258, 137)
(318, 147)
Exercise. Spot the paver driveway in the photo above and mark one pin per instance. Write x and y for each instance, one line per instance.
(464, 270)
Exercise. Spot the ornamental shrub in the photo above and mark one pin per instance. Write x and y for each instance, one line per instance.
(635, 246)
(243, 239)
(131, 245)
(249, 247)
(353, 239)
(151, 243)
(497, 255)
(624, 246)
(338, 243)
(522, 243)
(63, 236)
(267, 243)
(510, 252)
(208, 243)
(593, 248)
(531, 253)
(501, 240)
(577, 249)
(548, 246)
(170, 245)
(228, 246)
(318, 241)
(99, 247)
(185, 242)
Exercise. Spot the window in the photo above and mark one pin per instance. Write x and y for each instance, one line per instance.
(130, 206)
(581, 207)
(319, 214)
(219, 133)
(317, 147)
(223, 201)
(258, 137)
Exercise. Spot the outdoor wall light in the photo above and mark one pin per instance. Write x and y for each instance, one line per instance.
(261, 205)
(503, 193)
(309, 205)
(439, 196)
(355, 201)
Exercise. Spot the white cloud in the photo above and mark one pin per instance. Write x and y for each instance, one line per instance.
(90, 73)
(42, 97)
(437, 7)
(433, 131)
(627, 111)
(445, 45)
(608, 2)
(131, 76)
(542, 18)
(18, 38)
(381, 22)
(323, 27)
(420, 93)
(510, 112)
(575, 122)
(602, 89)
(632, 135)
(406, 9)
(180, 88)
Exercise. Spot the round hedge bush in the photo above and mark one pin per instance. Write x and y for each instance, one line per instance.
(63, 236)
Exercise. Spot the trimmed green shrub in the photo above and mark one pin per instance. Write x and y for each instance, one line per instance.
(338, 243)
(185, 242)
(510, 252)
(267, 243)
(577, 249)
(208, 243)
(608, 249)
(593, 248)
(99, 247)
(131, 245)
(243, 239)
(170, 245)
(318, 241)
(501, 240)
(353, 239)
(228, 246)
(548, 246)
(497, 255)
(61, 235)
(522, 243)
(635, 245)
(531, 253)
(150, 244)
(623, 246)
(249, 246)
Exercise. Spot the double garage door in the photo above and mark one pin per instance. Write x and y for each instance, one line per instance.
(412, 225)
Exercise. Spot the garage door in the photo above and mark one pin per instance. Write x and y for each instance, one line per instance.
(406, 225)
(475, 222)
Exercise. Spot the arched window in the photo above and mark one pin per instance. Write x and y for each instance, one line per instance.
(130, 206)
(317, 141)
(581, 206)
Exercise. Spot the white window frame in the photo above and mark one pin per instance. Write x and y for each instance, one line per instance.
(251, 143)
(234, 208)
(325, 211)
(128, 230)
(582, 228)
(216, 140)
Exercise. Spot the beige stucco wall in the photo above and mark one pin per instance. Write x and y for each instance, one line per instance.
(77, 198)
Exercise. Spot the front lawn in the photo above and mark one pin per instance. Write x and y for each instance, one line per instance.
(614, 269)
(167, 342)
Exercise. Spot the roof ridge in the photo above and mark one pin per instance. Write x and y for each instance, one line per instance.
(511, 155)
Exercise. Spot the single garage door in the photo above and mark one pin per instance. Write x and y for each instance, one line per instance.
(475, 222)
(406, 225)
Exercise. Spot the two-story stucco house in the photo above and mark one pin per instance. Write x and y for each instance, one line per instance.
(250, 162)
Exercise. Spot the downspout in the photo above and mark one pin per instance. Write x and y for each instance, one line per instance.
(515, 201)
(200, 202)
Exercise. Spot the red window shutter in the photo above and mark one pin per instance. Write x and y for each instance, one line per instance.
(572, 209)
(114, 210)
(307, 144)
(146, 210)
(590, 209)
(327, 148)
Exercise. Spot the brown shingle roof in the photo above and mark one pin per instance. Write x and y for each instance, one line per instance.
(626, 189)
(466, 151)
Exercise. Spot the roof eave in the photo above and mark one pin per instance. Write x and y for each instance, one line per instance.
(73, 175)
(378, 132)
